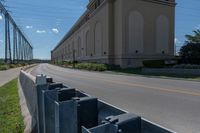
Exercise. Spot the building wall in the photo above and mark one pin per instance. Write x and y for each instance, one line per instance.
(92, 37)
(122, 32)
(147, 31)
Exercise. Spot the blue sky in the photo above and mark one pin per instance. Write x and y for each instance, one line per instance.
(45, 22)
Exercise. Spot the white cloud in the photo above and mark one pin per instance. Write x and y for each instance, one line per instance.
(40, 31)
(55, 30)
(198, 27)
(176, 41)
(1, 17)
(29, 27)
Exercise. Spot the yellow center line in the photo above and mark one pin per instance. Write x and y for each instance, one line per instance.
(135, 84)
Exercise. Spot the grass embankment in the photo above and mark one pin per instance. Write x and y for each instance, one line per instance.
(138, 71)
(4, 66)
(11, 120)
(118, 70)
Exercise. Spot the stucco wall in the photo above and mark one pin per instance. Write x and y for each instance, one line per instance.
(123, 32)
(93, 36)
(157, 43)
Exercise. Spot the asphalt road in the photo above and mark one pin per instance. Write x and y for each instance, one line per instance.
(6, 76)
(174, 104)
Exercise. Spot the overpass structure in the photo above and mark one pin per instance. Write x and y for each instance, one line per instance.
(21, 50)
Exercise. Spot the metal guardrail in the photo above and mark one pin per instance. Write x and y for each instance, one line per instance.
(55, 108)
(62, 109)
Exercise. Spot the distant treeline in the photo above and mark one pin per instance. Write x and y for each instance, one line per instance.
(32, 61)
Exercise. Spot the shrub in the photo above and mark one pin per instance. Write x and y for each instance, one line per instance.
(68, 62)
(19, 65)
(2, 62)
(187, 66)
(113, 67)
(91, 66)
(59, 63)
(23, 64)
(4, 67)
(190, 53)
(13, 65)
(154, 63)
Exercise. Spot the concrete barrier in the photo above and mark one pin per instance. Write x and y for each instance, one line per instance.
(27, 93)
(59, 109)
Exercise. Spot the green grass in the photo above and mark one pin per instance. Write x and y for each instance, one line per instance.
(11, 120)
(4, 67)
(138, 71)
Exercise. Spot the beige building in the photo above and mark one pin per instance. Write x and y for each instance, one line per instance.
(120, 32)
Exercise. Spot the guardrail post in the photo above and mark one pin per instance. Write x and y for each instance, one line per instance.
(41, 84)
(66, 110)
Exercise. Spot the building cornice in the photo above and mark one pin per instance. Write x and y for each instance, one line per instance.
(163, 2)
(91, 10)
(80, 21)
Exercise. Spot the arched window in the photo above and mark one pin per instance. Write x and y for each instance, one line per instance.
(69, 51)
(87, 43)
(136, 31)
(72, 50)
(98, 39)
(79, 47)
(162, 34)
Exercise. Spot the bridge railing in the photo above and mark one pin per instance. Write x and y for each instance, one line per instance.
(61, 109)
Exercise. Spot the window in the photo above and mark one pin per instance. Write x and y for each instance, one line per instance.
(162, 34)
(135, 33)
(87, 36)
(98, 39)
(79, 47)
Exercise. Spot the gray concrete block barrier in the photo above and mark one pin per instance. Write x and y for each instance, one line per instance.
(28, 102)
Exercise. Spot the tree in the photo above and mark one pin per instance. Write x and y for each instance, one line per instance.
(190, 52)
(194, 38)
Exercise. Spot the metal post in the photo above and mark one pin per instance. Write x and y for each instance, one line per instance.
(20, 43)
(9, 45)
(8, 57)
(25, 51)
(14, 44)
(6, 40)
(19, 46)
(22, 50)
(17, 50)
